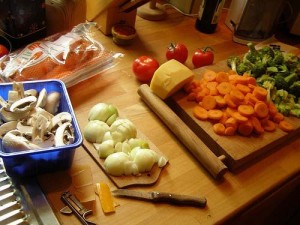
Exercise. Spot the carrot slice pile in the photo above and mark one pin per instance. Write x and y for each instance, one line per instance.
(235, 104)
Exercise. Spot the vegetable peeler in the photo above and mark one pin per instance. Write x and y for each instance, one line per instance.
(73, 205)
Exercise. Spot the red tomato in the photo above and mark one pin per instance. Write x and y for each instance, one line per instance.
(3, 50)
(144, 68)
(178, 52)
(203, 57)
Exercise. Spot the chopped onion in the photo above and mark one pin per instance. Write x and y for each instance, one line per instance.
(95, 130)
(103, 112)
(115, 163)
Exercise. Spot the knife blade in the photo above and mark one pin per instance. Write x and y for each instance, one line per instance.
(155, 196)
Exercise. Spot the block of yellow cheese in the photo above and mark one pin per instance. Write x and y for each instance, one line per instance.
(169, 78)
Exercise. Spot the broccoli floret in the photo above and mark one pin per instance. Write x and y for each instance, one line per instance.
(233, 61)
(277, 59)
(296, 69)
(260, 80)
(284, 108)
(252, 55)
(244, 67)
(295, 112)
(266, 50)
(290, 79)
(280, 82)
(295, 89)
(291, 60)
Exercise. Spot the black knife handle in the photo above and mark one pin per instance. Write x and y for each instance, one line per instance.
(178, 199)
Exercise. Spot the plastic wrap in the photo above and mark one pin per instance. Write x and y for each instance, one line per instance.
(71, 57)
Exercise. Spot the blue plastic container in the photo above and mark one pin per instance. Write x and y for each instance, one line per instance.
(34, 162)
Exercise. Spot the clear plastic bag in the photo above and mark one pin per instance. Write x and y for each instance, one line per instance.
(71, 57)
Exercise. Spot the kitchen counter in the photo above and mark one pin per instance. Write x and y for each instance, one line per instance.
(260, 193)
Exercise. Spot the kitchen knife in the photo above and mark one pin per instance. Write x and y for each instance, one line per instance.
(156, 196)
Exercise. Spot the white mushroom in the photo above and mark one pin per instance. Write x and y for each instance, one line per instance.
(3, 103)
(19, 88)
(52, 102)
(11, 116)
(24, 104)
(64, 134)
(6, 127)
(42, 98)
(60, 118)
(30, 92)
(14, 141)
(13, 96)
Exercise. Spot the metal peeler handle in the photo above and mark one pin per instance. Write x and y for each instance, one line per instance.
(81, 213)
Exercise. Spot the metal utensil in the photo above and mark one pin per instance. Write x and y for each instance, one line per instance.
(73, 205)
(155, 196)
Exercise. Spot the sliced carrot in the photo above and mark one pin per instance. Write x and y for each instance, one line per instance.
(231, 72)
(224, 88)
(215, 114)
(220, 101)
(222, 77)
(278, 117)
(261, 109)
(243, 88)
(219, 128)
(258, 129)
(229, 101)
(246, 110)
(200, 113)
(236, 96)
(251, 81)
(224, 117)
(272, 109)
(239, 117)
(212, 86)
(230, 131)
(209, 75)
(242, 80)
(231, 122)
(245, 128)
(230, 111)
(250, 99)
(191, 96)
(260, 93)
(286, 126)
(209, 102)
(268, 125)
(201, 94)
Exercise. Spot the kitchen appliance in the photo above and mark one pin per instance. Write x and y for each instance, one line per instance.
(253, 20)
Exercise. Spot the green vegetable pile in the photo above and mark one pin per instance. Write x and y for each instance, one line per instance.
(274, 70)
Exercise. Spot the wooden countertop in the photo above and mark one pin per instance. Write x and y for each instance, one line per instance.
(227, 198)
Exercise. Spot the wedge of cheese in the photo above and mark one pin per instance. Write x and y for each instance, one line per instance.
(169, 78)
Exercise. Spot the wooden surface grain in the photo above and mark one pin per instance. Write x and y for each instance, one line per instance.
(226, 198)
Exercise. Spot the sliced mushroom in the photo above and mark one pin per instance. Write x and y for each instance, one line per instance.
(3, 103)
(30, 92)
(64, 135)
(6, 127)
(24, 127)
(42, 98)
(11, 116)
(60, 118)
(19, 87)
(40, 128)
(52, 102)
(13, 96)
(47, 142)
(13, 141)
(24, 104)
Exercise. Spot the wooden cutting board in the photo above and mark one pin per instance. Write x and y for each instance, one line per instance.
(147, 178)
(238, 150)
